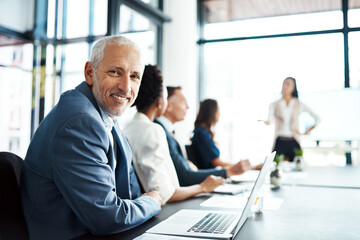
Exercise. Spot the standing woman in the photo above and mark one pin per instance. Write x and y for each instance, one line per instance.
(285, 113)
(202, 143)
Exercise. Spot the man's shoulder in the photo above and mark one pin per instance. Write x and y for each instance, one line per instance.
(72, 110)
(74, 102)
(158, 122)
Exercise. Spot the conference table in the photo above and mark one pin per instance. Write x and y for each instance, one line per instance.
(324, 176)
(311, 209)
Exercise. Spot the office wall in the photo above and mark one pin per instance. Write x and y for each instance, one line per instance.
(180, 57)
(17, 15)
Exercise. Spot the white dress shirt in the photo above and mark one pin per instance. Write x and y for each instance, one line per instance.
(169, 126)
(151, 156)
(109, 124)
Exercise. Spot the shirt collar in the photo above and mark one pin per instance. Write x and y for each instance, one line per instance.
(108, 121)
(166, 123)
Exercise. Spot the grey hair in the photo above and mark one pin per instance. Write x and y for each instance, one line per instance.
(97, 52)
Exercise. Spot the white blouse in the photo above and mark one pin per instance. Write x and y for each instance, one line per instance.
(151, 156)
(287, 114)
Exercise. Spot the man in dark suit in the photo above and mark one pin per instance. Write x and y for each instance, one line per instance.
(175, 112)
(77, 176)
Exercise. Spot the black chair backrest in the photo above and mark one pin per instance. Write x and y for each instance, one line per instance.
(191, 155)
(12, 222)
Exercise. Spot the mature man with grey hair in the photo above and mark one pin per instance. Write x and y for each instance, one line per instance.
(77, 176)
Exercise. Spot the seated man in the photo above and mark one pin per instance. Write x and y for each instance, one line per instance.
(175, 112)
(152, 160)
(77, 176)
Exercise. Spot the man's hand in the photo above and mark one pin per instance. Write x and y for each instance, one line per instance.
(211, 182)
(257, 167)
(155, 195)
(238, 168)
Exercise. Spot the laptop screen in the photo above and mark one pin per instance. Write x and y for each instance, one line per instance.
(255, 191)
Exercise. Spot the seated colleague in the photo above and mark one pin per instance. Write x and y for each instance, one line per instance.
(175, 112)
(77, 176)
(152, 160)
(202, 142)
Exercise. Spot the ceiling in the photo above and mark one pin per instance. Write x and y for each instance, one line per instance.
(229, 10)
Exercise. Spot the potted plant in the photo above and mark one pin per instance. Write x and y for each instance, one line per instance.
(298, 159)
(275, 175)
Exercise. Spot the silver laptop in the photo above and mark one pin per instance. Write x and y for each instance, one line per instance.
(212, 224)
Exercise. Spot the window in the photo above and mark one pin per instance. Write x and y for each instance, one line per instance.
(15, 98)
(354, 59)
(354, 13)
(75, 58)
(246, 76)
(100, 17)
(141, 30)
(275, 25)
(77, 18)
(235, 18)
(251, 46)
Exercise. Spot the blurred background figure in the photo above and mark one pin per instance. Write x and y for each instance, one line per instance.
(206, 153)
(285, 114)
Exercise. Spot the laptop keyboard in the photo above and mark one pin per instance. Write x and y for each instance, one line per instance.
(213, 223)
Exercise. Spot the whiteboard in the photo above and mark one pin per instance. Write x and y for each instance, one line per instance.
(339, 111)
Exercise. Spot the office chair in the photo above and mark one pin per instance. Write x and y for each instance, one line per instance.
(12, 222)
(191, 155)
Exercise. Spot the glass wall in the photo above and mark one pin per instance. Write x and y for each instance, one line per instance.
(15, 98)
(274, 25)
(354, 13)
(354, 56)
(141, 30)
(248, 54)
(246, 76)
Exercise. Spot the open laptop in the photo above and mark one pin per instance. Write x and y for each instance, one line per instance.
(212, 224)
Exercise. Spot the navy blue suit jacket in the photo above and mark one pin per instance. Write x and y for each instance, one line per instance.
(69, 185)
(186, 176)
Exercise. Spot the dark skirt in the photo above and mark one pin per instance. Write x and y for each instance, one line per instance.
(286, 146)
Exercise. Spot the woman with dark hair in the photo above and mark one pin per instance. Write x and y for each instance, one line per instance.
(151, 156)
(285, 114)
(203, 145)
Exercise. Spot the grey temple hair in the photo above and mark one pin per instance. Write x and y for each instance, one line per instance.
(97, 52)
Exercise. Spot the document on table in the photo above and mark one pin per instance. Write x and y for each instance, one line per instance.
(239, 201)
(248, 176)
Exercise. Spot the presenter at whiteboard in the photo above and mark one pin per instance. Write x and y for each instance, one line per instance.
(285, 114)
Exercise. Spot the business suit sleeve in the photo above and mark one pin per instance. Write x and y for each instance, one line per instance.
(81, 172)
(186, 176)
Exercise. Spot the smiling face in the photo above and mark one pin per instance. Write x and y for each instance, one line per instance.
(117, 80)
